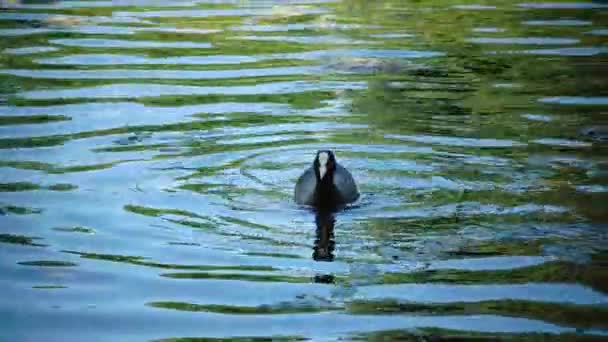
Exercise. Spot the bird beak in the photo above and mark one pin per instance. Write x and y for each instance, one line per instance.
(323, 158)
(322, 171)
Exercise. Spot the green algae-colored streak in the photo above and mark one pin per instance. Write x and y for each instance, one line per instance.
(77, 229)
(193, 224)
(27, 186)
(200, 188)
(20, 240)
(48, 263)
(274, 255)
(31, 142)
(31, 119)
(238, 276)
(505, 248)
(245, 223)
(435, 99)
(62, 187)
(26, 165)
(19, 186)
(33, 165)
(236, 339)
(237, 121)
(284, 308)
(147, 211)
(132, 148)
(30, 83)
(141, 261)
(579, 316)
(593, 275)
(303, 100)
(435, 334)
(16, 210)
(49, 287)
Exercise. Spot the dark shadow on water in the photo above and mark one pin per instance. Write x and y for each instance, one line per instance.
(325, 244)
(324, 279)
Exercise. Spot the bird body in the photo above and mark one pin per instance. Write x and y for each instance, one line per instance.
(326, 184)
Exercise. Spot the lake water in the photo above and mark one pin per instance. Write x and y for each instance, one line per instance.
(149, 151)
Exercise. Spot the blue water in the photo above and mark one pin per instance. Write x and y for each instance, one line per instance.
(149, 151)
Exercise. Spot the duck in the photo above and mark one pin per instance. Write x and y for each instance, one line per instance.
(326, 185)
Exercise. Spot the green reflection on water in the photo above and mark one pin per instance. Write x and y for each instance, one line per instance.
(32, 119)
(27, 186)
(20, 240)
(467, 93)
(236, 339)
(433, 334)
(594, 275)
(580, 316)
(238, 276)
(284, 308)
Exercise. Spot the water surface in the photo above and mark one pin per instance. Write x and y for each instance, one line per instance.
(149, 150)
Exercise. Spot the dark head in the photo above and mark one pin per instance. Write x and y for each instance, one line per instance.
(327, 196)
(324, 165)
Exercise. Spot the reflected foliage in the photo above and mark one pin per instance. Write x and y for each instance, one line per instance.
(158, 144)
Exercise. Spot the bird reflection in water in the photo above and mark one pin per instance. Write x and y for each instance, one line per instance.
(323, 249)
(327, 186)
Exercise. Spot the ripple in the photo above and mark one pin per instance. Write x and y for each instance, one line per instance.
(109, 115)
(489, 30)
(506, 85)
(153, 148)
(558, 22)
(362, 53)
(439, 293)
(134, 90)
(105, 109)
(598, 32)
(69, 4)
(537, 117)
(48, 263)
(102, 29)
(278, 128)
(392, 35)
(186, 30)
(54, 18)
(563, 5)
(454, 141)
(489, 263)
(562, 142)
(84, 29)
(598, 133)
(316, 325)
(23, 16)
(281, 308)
(261, 139)
(391, 164)
(524, 40)
(575, 100)
(474, 7)
(296, 27)
(116, 59)
(128, 44)
(20, 240)
(159, 74)
(597, 188)
(579, 51)
(30, 50)
(205, 13)
(328, 39)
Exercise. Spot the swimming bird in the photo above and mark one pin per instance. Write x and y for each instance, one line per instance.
(326, 185)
